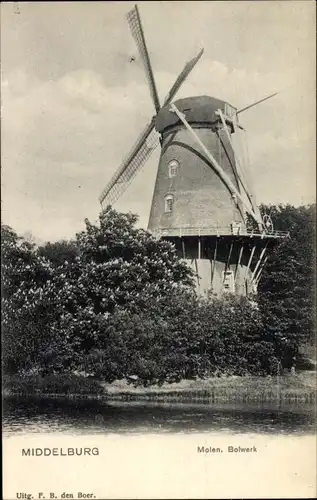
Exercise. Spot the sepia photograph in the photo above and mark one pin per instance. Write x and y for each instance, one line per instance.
(158, 253)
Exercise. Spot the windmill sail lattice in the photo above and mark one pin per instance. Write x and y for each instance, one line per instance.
(149, 139)
(135, 25)
(144, 146)
(141, 151)
(189, 66)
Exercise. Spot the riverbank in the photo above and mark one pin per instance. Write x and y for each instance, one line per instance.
(55, 384)
(300, 387)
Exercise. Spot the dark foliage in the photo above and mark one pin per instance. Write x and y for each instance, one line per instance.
(117, 303)
(287, 286)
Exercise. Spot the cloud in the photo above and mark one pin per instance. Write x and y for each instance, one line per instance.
(62, 141)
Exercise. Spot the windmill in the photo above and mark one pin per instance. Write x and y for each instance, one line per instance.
(203, 199)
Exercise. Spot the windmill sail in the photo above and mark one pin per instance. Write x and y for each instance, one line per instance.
(135, 25)
(141, 151)
(189, 66)
(241, 148)
(239, 170)
(144, 146)
(149, 139)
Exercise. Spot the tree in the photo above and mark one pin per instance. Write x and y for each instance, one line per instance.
(286, 288)
(111, 265)
(59, 252)
(23, 274)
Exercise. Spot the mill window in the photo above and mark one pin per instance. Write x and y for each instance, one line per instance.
(169, 203)
(173, 167)
(228, 281)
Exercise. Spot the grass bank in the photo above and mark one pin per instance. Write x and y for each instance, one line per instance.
(300, 387)
(289, 388)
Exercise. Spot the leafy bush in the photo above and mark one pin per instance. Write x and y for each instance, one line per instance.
(117, 303)
(181, 337)
(54, 308)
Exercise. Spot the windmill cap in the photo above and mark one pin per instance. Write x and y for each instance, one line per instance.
(199, 109)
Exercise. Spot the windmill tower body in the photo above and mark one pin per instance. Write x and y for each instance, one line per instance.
(202, 194)
(194, 208)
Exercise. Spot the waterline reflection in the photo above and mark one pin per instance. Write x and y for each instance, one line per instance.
(23, 415)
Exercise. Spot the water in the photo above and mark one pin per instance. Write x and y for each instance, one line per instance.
(25, 415)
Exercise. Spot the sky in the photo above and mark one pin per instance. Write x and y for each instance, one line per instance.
(73, 103)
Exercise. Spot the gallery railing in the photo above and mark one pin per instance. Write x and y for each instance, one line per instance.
(218, 231)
